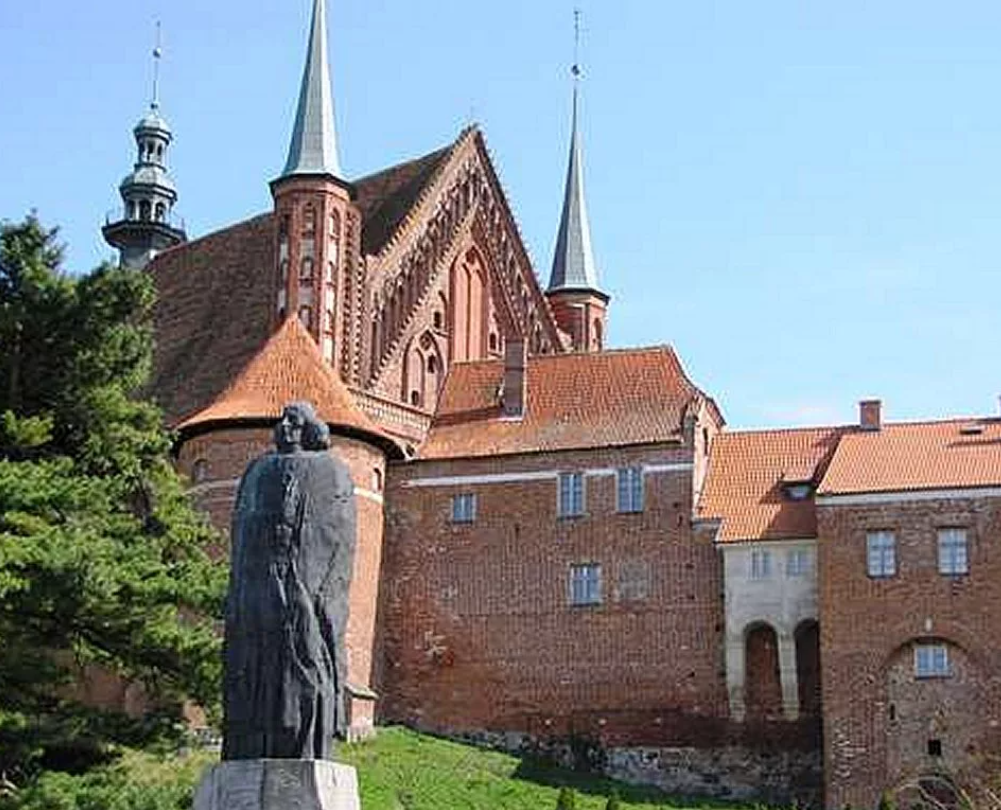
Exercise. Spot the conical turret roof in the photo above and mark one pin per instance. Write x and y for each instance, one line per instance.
(313, 149)
(573, 259)
(290, 368)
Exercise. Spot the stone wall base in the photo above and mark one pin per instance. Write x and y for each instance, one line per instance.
(278, 784)
(783, 778)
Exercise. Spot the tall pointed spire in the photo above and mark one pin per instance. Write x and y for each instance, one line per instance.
(573, 260)
(578, 304)
(313, 149)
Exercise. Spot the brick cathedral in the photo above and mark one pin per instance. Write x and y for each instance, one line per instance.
(560, 545)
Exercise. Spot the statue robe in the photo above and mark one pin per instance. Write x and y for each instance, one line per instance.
(293, 539)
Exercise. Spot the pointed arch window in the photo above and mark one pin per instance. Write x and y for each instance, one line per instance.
(308, 219)
(306, 270)
(144, 210)
(306, 316)
(161, 212)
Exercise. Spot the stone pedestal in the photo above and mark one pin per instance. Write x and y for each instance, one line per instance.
(278, 784)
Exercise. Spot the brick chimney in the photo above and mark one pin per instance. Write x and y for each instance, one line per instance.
(514, 389)
(869, 414)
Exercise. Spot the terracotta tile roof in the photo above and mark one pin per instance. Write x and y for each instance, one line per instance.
(951, 454)
(744, 486)
(288, 368)
(386, 197)
(573, 401)
(214, 307)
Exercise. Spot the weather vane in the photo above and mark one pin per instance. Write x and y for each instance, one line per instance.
(157, 53)
(575, 70)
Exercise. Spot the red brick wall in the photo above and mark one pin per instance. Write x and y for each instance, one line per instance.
(878, 717)
(226, 452)
(478, 632)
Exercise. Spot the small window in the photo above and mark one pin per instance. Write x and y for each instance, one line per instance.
(953, 559)
(283, 270)
(492, 341)
(200, 471)
(415, 398)
(585, 584)
(570, 502)
(377, 479)
(931, 661)
(629, 489)
(798, 491)
(437, 320)
(799, 562)
(464, 507)
(934, 748)
(306, 316)
(761, 564)
(881, 554)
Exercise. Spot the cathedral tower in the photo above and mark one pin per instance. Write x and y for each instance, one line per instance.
(317, 223)
(146, 224)
(579, 306)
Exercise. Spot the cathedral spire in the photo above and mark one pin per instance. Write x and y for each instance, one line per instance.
(578, 303)
(313, 149)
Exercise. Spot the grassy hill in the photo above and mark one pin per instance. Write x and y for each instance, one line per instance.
(403, 770)
(399, 770)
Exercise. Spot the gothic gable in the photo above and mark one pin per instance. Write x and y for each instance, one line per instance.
(452, 284)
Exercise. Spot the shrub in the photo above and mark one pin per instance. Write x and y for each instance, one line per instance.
(567, 799)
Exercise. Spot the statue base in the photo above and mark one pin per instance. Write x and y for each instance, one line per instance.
(278, 784)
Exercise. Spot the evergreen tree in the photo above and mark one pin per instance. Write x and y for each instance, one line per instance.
(567, 800)
(102, 560)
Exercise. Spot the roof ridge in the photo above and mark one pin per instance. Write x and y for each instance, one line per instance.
(784, 429)
(214, 234)
(447, 152)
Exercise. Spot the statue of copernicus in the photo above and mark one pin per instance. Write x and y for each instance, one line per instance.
(293, 540)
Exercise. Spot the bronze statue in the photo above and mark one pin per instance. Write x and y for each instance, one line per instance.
(293, 540)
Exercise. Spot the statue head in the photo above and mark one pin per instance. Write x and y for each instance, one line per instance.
(301, 429)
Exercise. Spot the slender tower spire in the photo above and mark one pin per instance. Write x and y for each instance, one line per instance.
(313, 149)
(146, 225)
(578, 303)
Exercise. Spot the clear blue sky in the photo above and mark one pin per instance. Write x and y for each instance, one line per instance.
(804, 199)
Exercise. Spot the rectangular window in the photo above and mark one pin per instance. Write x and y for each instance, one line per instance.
(629, 489)
(464, 507)
(571, 495)
(953, 558)
(799, 562)
(881, 554)
(761, 564)
(585, 584)
(931, 661)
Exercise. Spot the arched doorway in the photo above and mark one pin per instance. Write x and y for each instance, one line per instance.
(762, 678)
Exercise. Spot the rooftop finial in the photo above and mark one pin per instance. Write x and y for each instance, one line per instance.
(575, 70)
(573, 260)
(157, 53)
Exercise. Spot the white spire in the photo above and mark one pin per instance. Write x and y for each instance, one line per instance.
(313, 149)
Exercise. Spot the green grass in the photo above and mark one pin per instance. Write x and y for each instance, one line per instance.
(398, 770)
(403, 770)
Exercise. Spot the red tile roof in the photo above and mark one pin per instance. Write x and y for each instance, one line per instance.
(215, 299)
(952, 454)
(385, 198)
(289, 368)
(573, 401)
(744, 486)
